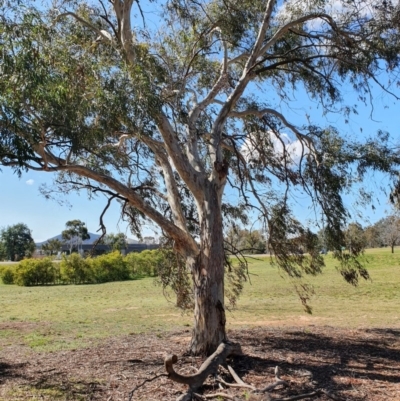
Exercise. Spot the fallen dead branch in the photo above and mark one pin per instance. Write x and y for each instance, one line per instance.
(278, 382)
(236, 385)
(235, 376)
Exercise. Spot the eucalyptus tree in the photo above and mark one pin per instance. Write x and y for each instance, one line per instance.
(390, 230)
(163, 114)
(75, 233)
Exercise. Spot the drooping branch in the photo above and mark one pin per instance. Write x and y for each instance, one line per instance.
(102, 226)
(284, 29)
(184, 240)
(261, 113)
(83, 22)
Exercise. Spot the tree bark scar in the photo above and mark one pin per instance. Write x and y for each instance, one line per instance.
(221, 313)
(203, 280)
(221, 168)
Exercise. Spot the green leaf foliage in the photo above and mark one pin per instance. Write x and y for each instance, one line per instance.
(109, 267)
(31, 272)
(75, 269)
(7, 275)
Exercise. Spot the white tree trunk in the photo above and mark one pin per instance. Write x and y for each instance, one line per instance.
(208, 281)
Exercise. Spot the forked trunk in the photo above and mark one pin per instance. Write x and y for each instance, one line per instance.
(208, 281)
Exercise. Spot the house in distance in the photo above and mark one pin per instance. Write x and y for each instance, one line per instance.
(86, 246)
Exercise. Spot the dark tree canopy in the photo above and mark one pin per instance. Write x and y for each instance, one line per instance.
(17, 242)
(164, 118)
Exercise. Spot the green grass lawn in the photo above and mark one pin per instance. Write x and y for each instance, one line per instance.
(60, 317)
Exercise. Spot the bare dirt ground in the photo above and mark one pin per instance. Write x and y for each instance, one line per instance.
(354, 365)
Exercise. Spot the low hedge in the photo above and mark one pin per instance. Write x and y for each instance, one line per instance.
(74, 269)
(31, 272)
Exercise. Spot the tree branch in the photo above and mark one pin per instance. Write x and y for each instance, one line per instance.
(184, 241)
(216, 154)
(143, 383)
(123, 12)
(102, 226)
(82, 21)
(283, 30)
(192, 178)
(261, 113)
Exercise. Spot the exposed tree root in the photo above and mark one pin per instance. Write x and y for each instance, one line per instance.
(210, 367)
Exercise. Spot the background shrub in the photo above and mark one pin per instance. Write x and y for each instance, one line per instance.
(7, 275)
(36, 272)
(109, 267)
(75, 269)
(131, 262)
(145, 263)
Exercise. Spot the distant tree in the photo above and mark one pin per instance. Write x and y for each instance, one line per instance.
(149, 240)
(17, 241)
(322, 245)
(254, 241)
(117, 242)
(74, 234)
(246, 241)
(390, 233)
(373, 236)
(3, 251)
(355, 238)
(52, 246)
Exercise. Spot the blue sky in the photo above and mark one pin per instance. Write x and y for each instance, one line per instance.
(21, 202)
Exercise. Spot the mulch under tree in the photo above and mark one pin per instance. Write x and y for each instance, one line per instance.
(322, 363)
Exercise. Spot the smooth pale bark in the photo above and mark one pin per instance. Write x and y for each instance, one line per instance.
(208, 279)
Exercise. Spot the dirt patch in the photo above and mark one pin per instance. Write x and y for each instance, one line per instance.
(353, 364)
(121, 309)
(21, 326)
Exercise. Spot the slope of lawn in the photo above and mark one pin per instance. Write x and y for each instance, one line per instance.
(64, 317)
